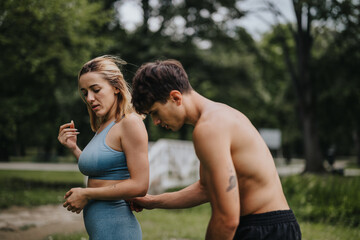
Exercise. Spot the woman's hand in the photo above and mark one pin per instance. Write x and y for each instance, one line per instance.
(68, 135)
(76, 200)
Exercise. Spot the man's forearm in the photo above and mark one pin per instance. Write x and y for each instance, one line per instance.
(190, 196)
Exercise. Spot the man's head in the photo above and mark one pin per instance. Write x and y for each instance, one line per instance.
(154, 81)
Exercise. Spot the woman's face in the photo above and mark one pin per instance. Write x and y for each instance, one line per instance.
(99, 94)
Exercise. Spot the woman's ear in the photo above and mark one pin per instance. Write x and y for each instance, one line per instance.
(176, 97)
(116, 90)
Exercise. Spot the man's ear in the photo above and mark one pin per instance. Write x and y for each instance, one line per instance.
(176, 97)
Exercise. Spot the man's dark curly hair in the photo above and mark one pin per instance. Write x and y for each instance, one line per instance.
(154, 81)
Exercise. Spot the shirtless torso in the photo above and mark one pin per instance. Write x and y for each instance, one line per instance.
(238, 141)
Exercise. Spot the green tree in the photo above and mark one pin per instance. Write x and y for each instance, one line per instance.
(43, 44)
(276, 92)
(338, 72)
(200, 35)
(303, 68)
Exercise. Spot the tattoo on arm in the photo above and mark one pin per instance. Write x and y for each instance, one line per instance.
(232, 183)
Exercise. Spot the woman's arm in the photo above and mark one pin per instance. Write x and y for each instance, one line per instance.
(134, 143)
(68, 137)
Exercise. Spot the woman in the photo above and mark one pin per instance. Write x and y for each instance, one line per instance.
(116, 159)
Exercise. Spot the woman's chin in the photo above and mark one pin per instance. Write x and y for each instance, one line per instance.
(99, 114)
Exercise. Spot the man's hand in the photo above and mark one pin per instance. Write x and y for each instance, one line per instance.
(134, 206)
(76, 200)
(139, 203)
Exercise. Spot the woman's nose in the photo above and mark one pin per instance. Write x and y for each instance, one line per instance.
(90, 97)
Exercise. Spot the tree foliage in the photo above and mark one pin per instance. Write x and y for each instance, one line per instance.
(313, 20)
(43, 44)
(297, 74)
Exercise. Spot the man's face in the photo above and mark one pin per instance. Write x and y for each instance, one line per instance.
(167, 115)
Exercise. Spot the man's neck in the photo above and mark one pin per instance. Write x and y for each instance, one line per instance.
(194, 107)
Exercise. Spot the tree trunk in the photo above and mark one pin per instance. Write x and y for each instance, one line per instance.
(313, 156)
(4, 152)
(304, 87)
(357, 145)
(20, 148)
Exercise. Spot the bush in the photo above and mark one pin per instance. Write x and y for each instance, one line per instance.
(325, 198)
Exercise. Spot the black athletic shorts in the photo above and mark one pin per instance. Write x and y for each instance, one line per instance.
(271, 225)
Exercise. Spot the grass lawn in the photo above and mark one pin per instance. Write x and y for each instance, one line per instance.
(191, 224)
(43, 176)
(34, 188)
(327, 207)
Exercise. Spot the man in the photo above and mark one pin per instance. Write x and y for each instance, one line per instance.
(237, 171)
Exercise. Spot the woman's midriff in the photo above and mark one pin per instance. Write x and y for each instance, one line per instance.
(95, 183)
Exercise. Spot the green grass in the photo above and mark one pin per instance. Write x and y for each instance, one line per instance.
(34, 188)
(43, 176)
(168, 224)
(322, 231)
(192, 223)
(327, 207)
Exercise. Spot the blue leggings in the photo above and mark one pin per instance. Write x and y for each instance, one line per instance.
(110, 220)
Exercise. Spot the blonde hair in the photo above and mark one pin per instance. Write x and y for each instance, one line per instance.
(108, 67)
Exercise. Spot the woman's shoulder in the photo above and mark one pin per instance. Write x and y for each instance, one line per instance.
(130, 121)
(132, 118)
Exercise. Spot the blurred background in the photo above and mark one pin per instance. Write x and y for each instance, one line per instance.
(287, 65)
(292, 67)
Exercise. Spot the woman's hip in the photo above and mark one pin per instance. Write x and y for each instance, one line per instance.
(110, 220)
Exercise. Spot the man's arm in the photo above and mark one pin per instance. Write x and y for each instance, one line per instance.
(212, 146)
(190, 196)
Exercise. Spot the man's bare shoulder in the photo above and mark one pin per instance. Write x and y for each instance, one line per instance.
(219, 115)
(216, 119)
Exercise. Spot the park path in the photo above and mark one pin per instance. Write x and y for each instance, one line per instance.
(38, 223)
(39, 166)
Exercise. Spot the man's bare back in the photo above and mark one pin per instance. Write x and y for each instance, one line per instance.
(258, 182)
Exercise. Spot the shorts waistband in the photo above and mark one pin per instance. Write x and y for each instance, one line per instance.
(268, 218)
